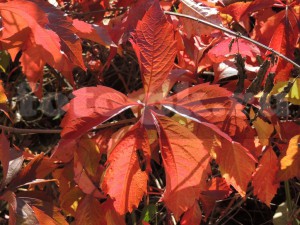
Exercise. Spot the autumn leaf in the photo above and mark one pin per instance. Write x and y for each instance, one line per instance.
(42, 217)
(186, 162)
(90, 212)
(93, 32)
(111, 216)
(125, 179)
(121, 27)
(193, 216)
(236, 164)
(289, 163)
(33, 172)
(241, 11)
(69, 201)
(11, 161)
(191, 8)
(294, 94)
(91, 107)
(280, 32)
(19, 211)
(39, 167)
(84, 181)
(154, 45)
(264, 179)
(209, 103)
(228, 154)
(3, 97)
(217, 189)
(222, 50)
(263, 129)
(43, 34)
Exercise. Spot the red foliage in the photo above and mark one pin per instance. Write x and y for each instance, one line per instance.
(183, 130)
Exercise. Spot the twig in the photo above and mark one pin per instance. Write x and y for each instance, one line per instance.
(98, 11)
(29, 131)
(57, 131)
(236, 206)
(236, 34)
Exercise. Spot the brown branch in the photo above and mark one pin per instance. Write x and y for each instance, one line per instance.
(236, 34)
(57, 131)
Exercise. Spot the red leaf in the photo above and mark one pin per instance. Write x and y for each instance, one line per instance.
(191, 8)
(42, 217)
(186, 162)
(11, 160)
(239, 10)
(19, 211)
(37, 168)
(92, 32)
(126, 176)
(263, 181)
(209, 103)
(228, 155)
(90, 212)
(221, 51)
(192, 216)
(112, 217)
(154, 45)
(91, 107)
(84, 181)
(43, 34)
(120, 27)
(217, 189)
(280, 32)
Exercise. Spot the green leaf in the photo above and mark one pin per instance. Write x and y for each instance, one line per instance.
(149, 212)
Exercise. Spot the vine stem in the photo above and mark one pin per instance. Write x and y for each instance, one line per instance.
(236, 34)
(57, 131)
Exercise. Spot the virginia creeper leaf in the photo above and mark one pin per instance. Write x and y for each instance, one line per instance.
(91, 107)
(37, 168)
(154, 45)
(190, 7)
(83, 180)
(42, 217)
(19, 211)
(239, 10)
(43, 34)
(90, 212)
(209, 103)
(92, 32)
(111, 216)
(280, 32)
(186, 162)
(192, 216)
(228, 154)
(217, 189)
(290, 162)
(11, 160)
(263, 129)
(125, 180)
(229, 157)
(221, 50)
(263, 181)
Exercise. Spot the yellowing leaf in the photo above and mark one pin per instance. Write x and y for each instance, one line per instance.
(263, 129)
(290, 163)
(294, 94)
(3, 97)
